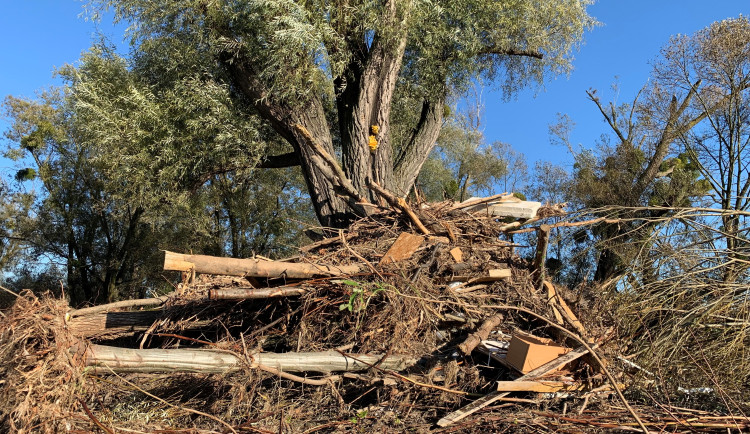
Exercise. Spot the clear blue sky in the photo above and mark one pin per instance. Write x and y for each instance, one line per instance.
(38, 35)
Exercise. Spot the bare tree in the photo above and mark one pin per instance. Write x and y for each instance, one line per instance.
(714, 64)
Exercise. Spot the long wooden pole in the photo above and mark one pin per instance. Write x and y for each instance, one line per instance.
(254, 293)
(252, 267)
(103, 358)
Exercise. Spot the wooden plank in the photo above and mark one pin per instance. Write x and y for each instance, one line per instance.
(403, 248)
(492, 276)
(536, 386)
(488, 399)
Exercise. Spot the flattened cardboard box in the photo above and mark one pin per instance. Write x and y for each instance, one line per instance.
(527, 352)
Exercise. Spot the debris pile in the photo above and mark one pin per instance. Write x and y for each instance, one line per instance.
(424, 319)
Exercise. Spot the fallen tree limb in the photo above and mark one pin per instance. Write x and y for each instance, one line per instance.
(142, 302)
(104, 358)
(253, 267)
(106, 325)
(482, 333)
(254, 293)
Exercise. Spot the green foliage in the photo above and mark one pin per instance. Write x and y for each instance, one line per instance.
(299, 47)
(27, 174)
(361, 295)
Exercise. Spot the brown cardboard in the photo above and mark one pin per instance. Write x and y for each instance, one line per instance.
(527, 352)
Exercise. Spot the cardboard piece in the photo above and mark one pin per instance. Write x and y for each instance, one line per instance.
(404, 246)
(527, 352)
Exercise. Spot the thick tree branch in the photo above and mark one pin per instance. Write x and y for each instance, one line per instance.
(669, 134)
(415, 152)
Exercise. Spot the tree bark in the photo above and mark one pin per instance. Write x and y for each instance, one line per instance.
(331, 210)
(414, 154)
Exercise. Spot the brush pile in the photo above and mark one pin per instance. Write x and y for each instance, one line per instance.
(401, 323)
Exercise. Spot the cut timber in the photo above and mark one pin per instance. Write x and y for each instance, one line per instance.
(505, 207)
(486, 400)
(537, 386)
(403, 248)
(457, 254)
(483, 332)
(254, 267)
(254, 293)
(105, 358)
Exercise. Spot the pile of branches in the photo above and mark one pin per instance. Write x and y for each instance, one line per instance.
(401, 322)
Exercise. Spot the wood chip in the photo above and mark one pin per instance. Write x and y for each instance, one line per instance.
(457, 254)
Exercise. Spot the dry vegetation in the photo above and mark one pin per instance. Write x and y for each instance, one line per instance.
(402, 308)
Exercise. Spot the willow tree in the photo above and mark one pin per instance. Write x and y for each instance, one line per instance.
(328, 73)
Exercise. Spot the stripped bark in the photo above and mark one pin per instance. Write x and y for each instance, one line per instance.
(107, 359)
